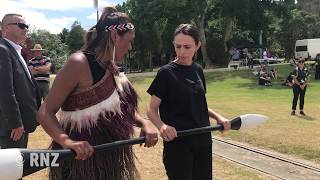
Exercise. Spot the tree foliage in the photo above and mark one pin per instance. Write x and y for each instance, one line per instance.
(75, 38)
(222, 23)
(64, 35)
(55, 49)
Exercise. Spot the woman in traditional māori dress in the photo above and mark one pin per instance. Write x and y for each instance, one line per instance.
(98, 105)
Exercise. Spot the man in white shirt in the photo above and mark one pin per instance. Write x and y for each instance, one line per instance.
(18, 90)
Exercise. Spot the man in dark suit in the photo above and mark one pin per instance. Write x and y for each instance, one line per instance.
(18, 90)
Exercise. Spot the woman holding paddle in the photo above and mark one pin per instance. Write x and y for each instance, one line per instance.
(178, 94)
(98, 105)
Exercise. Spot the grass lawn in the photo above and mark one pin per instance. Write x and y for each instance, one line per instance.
(233, 93)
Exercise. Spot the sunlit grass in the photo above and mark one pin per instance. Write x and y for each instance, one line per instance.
(234, 93)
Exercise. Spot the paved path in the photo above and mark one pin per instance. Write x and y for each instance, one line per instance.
(266, 164)
(148, 74)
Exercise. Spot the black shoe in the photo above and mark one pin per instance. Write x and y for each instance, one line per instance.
(293, 113)
(302, 113)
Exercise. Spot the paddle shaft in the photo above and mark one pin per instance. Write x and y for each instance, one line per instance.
(66, 154)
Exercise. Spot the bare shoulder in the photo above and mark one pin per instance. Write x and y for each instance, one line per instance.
(78, 59)
(68, 80)
(76, 72)
(76, 63)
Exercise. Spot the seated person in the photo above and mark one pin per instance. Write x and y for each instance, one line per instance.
(235, 54)
(288, 81)
(264, 79)
(274, 73)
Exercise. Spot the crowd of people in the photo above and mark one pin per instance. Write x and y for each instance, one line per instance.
(247, 55)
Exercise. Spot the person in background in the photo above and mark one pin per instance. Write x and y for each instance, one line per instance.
(98, 105)
(265, 56)
(264, 78)
(250, 59)
(274, 73)
(293, 62)
(177, 103)
(26, 52)
(300, 77)
(235, 56)
(40, 67)
(18, 89)
(317, 73)
(288, 81)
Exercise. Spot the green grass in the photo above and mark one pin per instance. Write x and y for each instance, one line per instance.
(233, 93)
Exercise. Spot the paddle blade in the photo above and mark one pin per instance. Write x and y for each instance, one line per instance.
(252, 120)
(11, 164)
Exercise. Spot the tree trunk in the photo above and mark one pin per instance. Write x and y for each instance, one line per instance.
(228, 27)
(200, 26)
(150, 61)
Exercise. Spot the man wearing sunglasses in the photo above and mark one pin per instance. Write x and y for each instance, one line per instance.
(18, 90)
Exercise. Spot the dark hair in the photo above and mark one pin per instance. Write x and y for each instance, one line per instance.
(188, 29)
(98, 40)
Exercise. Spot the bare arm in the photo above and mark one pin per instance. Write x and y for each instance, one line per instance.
(147, 130)
(43, 69)
(219, 118)
(63, 85)
(32, 69)
(166, 132)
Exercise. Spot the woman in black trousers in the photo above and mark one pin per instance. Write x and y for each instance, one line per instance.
(178, 102)
(300, 80)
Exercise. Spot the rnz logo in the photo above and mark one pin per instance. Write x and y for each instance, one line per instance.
(44, 159)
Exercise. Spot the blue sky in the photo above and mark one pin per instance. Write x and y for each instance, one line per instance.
(54, 15)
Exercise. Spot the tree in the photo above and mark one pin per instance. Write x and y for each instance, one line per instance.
(149, 29)
(55, 49)
(64, 35)
(75, 38)
(245, 15)
(290, 23)
(222, 24)
(199, 13)
(311, 6)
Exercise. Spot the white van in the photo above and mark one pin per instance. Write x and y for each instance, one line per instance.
(307, 48)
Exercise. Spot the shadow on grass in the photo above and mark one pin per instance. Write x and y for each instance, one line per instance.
(140, 80)
(307, 117)
(244, 74)
(253, 79)
(217, 76)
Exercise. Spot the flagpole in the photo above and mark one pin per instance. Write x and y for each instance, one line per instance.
(96, 5)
